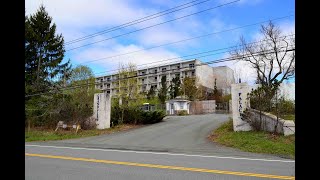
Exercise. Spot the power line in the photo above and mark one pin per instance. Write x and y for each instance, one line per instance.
(184, 60)
(214, 50)
(137, 21)
(184, 40)
(153, 25)
(136, 76)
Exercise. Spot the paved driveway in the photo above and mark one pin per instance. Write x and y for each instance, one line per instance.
(179, 134)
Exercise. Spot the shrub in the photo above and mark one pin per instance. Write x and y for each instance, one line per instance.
(287, 106)
(134, 115)
(150, 117)
(182, 112)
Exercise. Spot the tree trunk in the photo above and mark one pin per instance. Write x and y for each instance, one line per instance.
(29, 122)
(277, 114)
(38, 71)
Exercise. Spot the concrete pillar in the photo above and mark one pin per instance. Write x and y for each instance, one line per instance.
(239, 104)
(230, 106)
(102, 110)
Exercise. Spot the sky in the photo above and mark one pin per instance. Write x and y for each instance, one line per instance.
(78, 18)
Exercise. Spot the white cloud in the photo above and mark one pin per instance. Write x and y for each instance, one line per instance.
(142, 57)
(86, 13)
(161, 35)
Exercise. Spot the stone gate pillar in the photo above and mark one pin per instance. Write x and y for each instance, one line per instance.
(239, 104)
(102, 110)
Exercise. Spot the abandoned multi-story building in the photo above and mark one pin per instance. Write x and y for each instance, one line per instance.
(151, 76)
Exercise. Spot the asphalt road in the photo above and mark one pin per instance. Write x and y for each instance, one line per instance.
(151, 152)
(75, 164)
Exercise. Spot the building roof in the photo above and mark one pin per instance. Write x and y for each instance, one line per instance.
(179, 98)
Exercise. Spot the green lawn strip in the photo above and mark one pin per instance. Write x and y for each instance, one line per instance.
(50, 134)
(288, 117)
(253, 141)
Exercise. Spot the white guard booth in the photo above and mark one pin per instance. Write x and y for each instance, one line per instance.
(173, 106)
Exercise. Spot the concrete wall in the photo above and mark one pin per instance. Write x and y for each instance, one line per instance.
(102, 110)
(202, 107)
(240, 103)
(269, 121)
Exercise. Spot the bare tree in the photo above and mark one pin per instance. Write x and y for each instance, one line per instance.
(273, 58)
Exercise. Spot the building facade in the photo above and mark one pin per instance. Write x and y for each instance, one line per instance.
(151, 76)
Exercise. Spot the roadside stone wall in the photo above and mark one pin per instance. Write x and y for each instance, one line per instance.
(268, 122)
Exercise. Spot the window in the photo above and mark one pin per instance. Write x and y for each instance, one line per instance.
(192, 73)
(177, 75)
(155, 78)
(101, 80)
(164, 69)
(101, 86)
(108, 79)
(155, 71)
(142, 80)
(191, 65)
(108, 92)
(186, 73)
(181, 106)
(143, 73)
(178, 67)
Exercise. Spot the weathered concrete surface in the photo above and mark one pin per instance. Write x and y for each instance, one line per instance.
(239, 94)
(268, 122)
(102, 110)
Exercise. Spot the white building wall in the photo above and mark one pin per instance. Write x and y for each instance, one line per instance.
(225, 77)
(204, 74)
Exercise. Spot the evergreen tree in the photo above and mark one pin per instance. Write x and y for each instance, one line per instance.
(44, 50)
(175, 87)
(163, 90)
(217, 95)
(151, 93)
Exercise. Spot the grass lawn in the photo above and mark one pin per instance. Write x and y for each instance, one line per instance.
(41, 134)
(289, 117)
(253, 141)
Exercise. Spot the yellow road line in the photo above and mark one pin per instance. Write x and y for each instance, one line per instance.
(163, 166)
